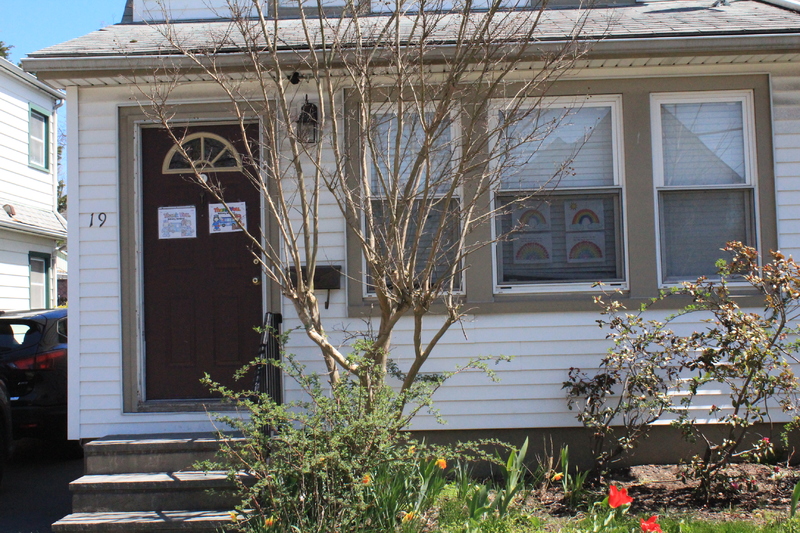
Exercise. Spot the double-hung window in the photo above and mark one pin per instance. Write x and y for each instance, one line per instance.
(703, 163)
(560, 198)
(411, 183)
(38, 135)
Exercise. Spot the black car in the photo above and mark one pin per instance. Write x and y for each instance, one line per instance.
(33, 368)
(5, 427)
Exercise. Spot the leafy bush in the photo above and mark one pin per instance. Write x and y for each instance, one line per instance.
(631, 388)
(339, 461)
(744, 353)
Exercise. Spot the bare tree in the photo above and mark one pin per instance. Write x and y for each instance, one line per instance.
(421, 112)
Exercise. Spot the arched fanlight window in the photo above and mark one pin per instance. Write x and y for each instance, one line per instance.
(208, 152)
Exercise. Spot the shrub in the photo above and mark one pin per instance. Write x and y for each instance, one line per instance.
(631, 388)
(338, 461)
(745, 354)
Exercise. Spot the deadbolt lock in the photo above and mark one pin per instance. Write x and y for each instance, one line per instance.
(256, 281)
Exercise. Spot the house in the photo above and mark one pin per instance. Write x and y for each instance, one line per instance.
(31, 229)
(671, 86)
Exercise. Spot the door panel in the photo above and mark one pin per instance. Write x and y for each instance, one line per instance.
(200, 302)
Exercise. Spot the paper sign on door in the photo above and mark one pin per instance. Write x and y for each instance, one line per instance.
(224, 220)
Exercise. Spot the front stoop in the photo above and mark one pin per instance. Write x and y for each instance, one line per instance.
(143, 521)
(146, 483)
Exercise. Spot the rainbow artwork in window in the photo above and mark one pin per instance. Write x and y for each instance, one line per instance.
(532, 218)
(586, 247)
(533, 249)
(584, 215)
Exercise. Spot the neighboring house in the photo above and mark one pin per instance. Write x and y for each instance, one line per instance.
(734, 67)
(31, 230)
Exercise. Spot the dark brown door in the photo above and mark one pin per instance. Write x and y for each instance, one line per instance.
(202, 294)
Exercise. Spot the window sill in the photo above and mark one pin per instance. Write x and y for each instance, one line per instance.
(37, 167)
(575, 302)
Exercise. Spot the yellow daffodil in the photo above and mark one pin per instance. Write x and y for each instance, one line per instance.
(441, 463)
(269, 522)
(408, 517)
(558, 476)
(367, 479)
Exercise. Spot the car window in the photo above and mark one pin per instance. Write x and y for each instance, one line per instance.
(15, 335)
(61, 328)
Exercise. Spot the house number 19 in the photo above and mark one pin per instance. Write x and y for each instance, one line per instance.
(101, 217)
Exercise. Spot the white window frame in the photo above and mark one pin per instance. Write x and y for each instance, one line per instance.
(750, 163)
(455, 134)
(618, 166)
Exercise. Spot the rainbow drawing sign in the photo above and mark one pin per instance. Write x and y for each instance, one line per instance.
(584, 215)
(533, 249)
(586, 247)
(532, 218)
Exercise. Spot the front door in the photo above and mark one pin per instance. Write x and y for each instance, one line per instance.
(202, 289)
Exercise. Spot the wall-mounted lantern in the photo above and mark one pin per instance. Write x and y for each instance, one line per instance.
(308, 123)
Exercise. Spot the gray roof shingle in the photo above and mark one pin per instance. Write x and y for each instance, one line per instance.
(677, 18)
(33, 219)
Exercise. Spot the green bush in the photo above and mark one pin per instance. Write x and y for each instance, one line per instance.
(338, 461)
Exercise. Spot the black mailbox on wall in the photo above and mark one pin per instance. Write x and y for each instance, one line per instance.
(327, 277)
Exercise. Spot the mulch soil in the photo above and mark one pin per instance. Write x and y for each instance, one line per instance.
(659, 489)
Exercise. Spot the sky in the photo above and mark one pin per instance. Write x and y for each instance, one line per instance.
(31, 25)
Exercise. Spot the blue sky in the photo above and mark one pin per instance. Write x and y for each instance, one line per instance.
(30, 25)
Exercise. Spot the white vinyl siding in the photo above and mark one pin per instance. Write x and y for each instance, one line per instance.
(15, 249)
(544, 345)
(19, 181)
(786, 143)
(153, 10)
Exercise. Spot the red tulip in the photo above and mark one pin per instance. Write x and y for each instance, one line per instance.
(650, 524)
(618, 497)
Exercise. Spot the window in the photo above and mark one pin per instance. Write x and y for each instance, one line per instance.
(560, 198)
(704, 179)
(206, 151)
(429, 193)
(691, 175)
(39, 270)
(38, 136)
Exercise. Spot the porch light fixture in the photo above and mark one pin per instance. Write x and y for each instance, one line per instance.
(307, 123)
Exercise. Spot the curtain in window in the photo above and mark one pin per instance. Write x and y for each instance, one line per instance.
(384, 132)
(703, 143)
(696, 225)
(560, 148)
(38, 141)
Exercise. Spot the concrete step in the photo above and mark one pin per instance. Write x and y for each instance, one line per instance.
(148, 453)
(143, 521)
(154, 491)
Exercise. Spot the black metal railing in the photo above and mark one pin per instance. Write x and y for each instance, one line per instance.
(268, 376)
